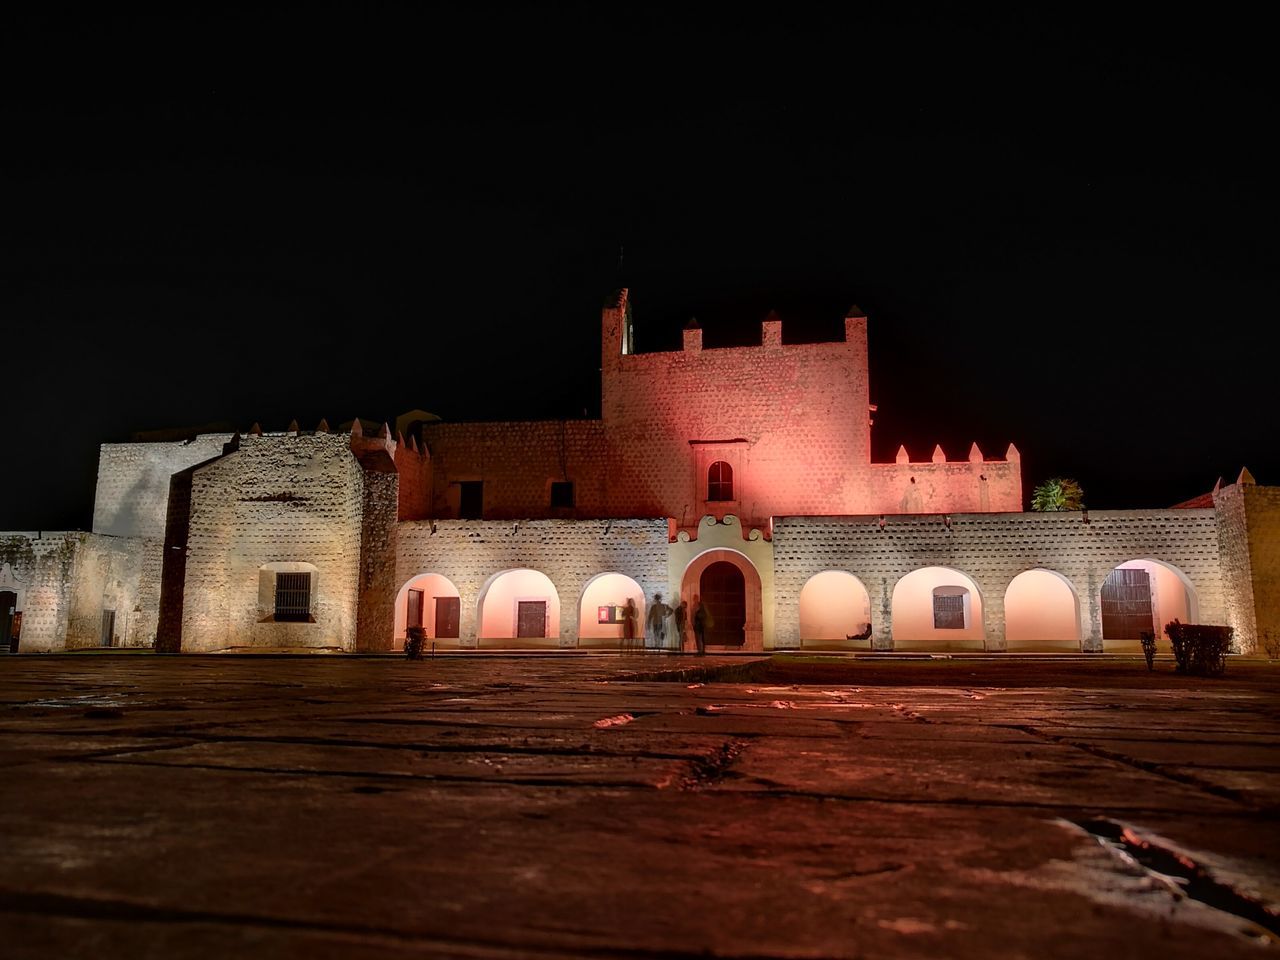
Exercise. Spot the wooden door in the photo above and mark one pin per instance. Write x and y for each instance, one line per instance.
(724, 591)
(413, 617)
(1126, 605)
(448, 613)
(531, 618)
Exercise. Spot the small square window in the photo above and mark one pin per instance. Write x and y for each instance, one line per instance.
(562, 493)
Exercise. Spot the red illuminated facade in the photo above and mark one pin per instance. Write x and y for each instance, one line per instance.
(756, 432)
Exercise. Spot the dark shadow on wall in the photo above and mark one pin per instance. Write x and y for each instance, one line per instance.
(173, 569)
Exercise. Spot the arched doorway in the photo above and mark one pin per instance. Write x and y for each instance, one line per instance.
(937, 608)
(430, 601)
(834, 606)
(602, 613)
(733, 594)
(8, 613)
(723, 590)
(520, 608)
(1041, 613)
(1141, 595)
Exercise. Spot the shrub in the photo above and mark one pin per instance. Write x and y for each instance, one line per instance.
(414, 638)
(1149, 648)
(1200, 649)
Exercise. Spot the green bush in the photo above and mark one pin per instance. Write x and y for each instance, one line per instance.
(1200, 649)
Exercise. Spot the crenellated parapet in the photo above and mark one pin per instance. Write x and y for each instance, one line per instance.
(939, 485)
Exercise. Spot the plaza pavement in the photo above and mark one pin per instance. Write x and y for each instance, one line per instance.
(498, 807)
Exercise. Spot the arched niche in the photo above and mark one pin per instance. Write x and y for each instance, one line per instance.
(937, 608)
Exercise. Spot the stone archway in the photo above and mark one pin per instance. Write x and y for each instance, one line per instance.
(518, 608)
(937, 608)
(748, 617)
(834, 605)
(430, 601)
(601, 612)
(1141, 592)
(1041, 613)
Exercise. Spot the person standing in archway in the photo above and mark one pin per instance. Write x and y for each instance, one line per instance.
(681, 616)
(656, 620)
(629, 616)
(702, 622)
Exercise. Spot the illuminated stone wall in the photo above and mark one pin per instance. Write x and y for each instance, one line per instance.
(800, 411)
(132, 493)
(276, 499)
(1262, 509)
(517, 462)
(944, 486)
(414, 487)
(991, 550)
(471, 552)
(65, 581)
(1249, 533)
(39, 568)
(121, 574)
(375, 613)
(791, 420)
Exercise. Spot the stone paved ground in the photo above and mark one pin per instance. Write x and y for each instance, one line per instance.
(548, 807)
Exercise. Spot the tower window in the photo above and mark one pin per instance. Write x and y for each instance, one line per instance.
(562, 493)
(720, 481)
(471, 500)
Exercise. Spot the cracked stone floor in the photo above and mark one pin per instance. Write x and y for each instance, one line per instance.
(579, 807)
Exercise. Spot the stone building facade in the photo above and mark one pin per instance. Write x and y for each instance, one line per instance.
(737, 479)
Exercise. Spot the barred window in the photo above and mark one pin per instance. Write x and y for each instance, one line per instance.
(293, 596)
(948, 611)
(720, 481)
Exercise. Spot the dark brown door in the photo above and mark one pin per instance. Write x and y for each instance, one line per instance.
(724, 591)
(8, 607)
(414, 616)
(108, 627)
(447, 616)
(1126, 605)
(531, 618)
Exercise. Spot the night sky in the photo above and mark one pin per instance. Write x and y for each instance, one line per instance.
(1062, 224)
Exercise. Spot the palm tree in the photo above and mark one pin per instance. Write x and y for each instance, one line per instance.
(1057, 493)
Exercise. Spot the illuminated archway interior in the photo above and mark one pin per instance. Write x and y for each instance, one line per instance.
(936, 608)
(728, 629)
(603, 600)
(432, 601)
(1041, 612)
(1123, 616)
(833, 606)
(514, 602)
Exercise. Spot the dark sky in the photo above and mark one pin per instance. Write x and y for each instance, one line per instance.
(1062, 223)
